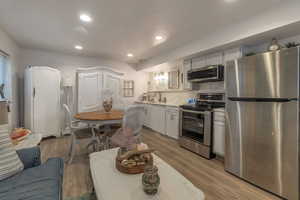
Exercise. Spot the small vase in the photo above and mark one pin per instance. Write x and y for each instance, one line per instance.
(150, 180)
(107, 105)
(274, 46)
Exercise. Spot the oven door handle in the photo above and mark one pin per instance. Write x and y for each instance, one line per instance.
(192, 111)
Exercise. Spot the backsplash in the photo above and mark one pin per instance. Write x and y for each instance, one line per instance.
(211, 87)
(179, 98)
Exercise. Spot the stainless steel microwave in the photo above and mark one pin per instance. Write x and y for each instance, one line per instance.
(209, 73)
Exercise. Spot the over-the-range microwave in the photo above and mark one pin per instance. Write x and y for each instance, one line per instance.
(209, 73)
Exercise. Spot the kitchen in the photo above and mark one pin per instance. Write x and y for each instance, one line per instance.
(186, 101)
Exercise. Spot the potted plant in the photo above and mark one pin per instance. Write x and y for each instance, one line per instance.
(291, 44)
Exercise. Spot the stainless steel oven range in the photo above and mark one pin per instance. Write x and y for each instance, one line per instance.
(196, 123)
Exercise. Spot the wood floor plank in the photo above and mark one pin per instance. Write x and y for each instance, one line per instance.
(207, 175)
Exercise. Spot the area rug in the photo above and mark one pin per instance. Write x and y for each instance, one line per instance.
(88, 196)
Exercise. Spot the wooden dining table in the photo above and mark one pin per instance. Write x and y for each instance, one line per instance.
(98, 119)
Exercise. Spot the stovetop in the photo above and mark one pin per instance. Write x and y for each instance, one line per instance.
(206, 102)
(203, 106)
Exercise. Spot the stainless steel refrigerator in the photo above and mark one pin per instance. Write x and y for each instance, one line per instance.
(262, 121)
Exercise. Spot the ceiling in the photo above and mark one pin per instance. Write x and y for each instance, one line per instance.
(120, 27)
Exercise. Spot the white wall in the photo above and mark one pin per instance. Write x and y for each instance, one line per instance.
(271, 23)
(68, 64)
(8, 46)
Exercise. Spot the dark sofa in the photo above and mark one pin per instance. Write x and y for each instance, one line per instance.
(37, 181)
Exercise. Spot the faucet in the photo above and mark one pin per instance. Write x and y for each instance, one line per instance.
(159, 97)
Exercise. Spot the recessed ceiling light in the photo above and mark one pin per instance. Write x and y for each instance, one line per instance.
(85, 18)
(78, 47)
(130, 55)
(230, 1)
(158, 37)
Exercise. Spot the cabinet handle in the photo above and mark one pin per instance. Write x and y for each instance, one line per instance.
(33, 94)
(8, 107)
(182, 78)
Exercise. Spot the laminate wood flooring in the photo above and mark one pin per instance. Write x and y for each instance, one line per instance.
(208, 175)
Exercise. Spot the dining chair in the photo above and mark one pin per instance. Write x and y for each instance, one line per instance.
(74, 126)
(133, 120)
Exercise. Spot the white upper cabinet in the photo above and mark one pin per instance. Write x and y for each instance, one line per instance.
(232, 54)
(186, 66)
(150, 83)
(214, 59)
(198, 62)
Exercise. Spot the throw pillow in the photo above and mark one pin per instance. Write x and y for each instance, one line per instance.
(10, 162)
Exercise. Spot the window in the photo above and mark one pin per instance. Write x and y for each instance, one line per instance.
(128, 89)
(4, 82)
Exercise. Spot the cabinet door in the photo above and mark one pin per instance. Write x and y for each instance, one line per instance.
(198, 62)
(153, 118)
(89, 91)
(150, 81)
(186, 66)
(232, 54)
(219, 133)
(158, 119)
(172, 124)
(147, 121)
(219, 138)
(114, 84)
(214, 59)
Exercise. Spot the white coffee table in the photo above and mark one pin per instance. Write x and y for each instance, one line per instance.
(110, 184)
(31, 141)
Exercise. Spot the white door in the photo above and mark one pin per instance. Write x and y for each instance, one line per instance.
(89, 91)
(113, 83)
(46, 101)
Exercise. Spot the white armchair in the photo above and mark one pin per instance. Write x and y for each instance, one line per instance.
(131, 126)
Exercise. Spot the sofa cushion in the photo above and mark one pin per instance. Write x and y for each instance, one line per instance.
(41, 182)
(30, 157)
(10, 162)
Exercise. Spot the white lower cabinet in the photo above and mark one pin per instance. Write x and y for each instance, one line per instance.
(147, 115)
(162, 119)
(157, 121)
(219, 132)
(172, 123)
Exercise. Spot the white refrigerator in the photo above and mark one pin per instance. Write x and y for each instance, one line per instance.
(42, 100)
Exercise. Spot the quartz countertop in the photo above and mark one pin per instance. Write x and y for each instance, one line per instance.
(160, 104)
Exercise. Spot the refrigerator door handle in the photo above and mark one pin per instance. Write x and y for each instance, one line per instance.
(253, 99)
